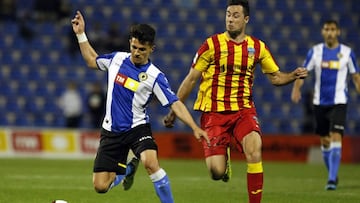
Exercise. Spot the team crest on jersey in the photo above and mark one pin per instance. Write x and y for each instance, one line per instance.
(251, 51)
(339, 55)
(143, 76)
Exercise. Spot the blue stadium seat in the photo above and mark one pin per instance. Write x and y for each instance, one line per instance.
(302, 6)
(47, 59)
(285, 126)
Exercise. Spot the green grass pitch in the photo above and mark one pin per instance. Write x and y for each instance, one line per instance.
(33, 180)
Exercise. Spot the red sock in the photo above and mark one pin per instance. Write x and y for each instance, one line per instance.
(255, 186)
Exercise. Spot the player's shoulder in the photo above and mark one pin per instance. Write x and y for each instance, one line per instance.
(154, 70)
(252, 40)
(252, 37)
(114, 55)
(216, 35)
(345, 46)
(318, 47)
(121, 55)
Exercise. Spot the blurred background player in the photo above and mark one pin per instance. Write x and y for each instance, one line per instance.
(132, 81)
(331, 62)
(71, 104)
(225, 63)
(96, 104)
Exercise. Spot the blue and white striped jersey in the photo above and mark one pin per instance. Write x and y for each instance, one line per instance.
(332, 67)
(130, 89)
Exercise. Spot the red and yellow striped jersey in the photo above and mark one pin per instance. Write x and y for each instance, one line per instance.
(228, 72)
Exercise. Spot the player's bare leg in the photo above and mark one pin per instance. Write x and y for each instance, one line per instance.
(252, 150)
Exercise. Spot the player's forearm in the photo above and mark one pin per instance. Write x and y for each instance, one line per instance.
(183, 114)
(356, 80)
(280, 78)
(88, 53)
(298, 84)
(185, 89)
(188, 84)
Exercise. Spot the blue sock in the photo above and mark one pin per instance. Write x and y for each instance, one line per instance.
(326, 156)
(119, 178)
(162, 186)
(335, 160)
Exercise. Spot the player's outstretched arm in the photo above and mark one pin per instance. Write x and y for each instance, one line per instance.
(87, 51)
(184, 90)
(356, 81)
(280, 78)
(184, 115)
(296, 90)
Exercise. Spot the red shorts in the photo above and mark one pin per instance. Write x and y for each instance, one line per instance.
(222, 126)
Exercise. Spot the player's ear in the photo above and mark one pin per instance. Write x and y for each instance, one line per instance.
(246, 19)
(152, 48)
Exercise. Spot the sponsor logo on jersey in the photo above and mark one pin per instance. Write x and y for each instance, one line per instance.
(127, 82)
(330, 64)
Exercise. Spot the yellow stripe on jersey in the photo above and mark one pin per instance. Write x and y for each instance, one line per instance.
(131, 84)
(127, 82)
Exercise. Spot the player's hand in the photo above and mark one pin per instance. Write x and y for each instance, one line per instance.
(300, 73)
(200, 135)
(169, 119)
(78, 23)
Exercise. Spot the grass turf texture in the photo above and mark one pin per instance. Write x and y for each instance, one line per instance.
(43, 180)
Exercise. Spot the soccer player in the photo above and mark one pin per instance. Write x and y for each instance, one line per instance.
(225, 63)
(132, 81)
(332, 62)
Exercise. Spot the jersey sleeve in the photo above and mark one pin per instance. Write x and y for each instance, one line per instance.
(103, 61)
(202, 57)
(308, 62)
(163, 92)
(267, 61)
(353, 66)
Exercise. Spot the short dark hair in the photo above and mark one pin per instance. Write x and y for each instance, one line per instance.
(143, 32)
(243, 3)
(331, 21)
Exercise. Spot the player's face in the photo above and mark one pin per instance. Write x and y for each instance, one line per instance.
(330, 33)
(140, 52)
(235, 20)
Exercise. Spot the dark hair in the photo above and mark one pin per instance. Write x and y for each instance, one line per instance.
(143, 32)
(243, 3)
(326, 22)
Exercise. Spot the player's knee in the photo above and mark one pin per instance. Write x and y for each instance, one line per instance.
(151, 167)
(216, 174)
(253, 156)
(216, 177)
(101, 187)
